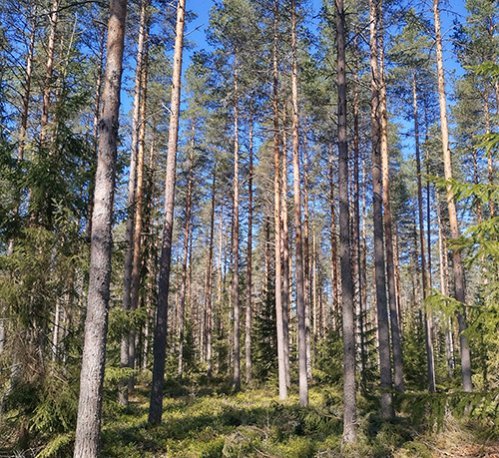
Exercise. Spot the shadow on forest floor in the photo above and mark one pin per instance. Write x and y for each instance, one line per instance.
(208, 420)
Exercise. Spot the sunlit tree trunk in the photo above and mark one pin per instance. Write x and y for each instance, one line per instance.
(283, 388)
(49, 68)
(457, 264)
(159, 345)
(138, 107)
(185, 258)
(398, 373)
(88, 424)
(300, 280)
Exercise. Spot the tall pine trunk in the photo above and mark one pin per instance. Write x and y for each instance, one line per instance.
(347, 287)
(88, 424)
(396, 341)
(300, 280)
(457, 264)
(125, 360)
(160, 330)
(379, 253)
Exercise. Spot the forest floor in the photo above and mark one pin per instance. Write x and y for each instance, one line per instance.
(206, 420)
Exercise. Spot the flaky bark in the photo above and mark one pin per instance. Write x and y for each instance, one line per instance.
(88, 424)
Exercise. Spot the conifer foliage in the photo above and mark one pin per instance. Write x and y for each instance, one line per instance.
(239, 228)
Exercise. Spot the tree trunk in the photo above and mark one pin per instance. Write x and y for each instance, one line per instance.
(283, 388)
(94, 350)
(137, 122)
(49, 68)
(398, 372)
(307, 270)
(379, 254)
(347, 287)
(185, 259)
(236, 352)
(139, 204)
(300, 281)
(424, 272)
(457, 264)
(286, 258)
(249, 257)
(159, 345)
(335, 284)
(356, 245)
(209, 278)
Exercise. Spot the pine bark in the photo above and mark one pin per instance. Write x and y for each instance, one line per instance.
(126, 341)
(88, 425)
(300, 280)
(379, 254)
(347, 286)
(396, 341)
(159, 344)
(457, 264)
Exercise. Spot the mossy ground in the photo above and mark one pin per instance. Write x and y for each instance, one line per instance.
(204, 419)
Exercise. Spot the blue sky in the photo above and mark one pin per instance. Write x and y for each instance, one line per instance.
(450, 11)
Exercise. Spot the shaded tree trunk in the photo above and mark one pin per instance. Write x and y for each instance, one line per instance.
(249, 257)
(347, 287)
(236, 308)
(424, 272)
(209, 279)
(379, 254)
